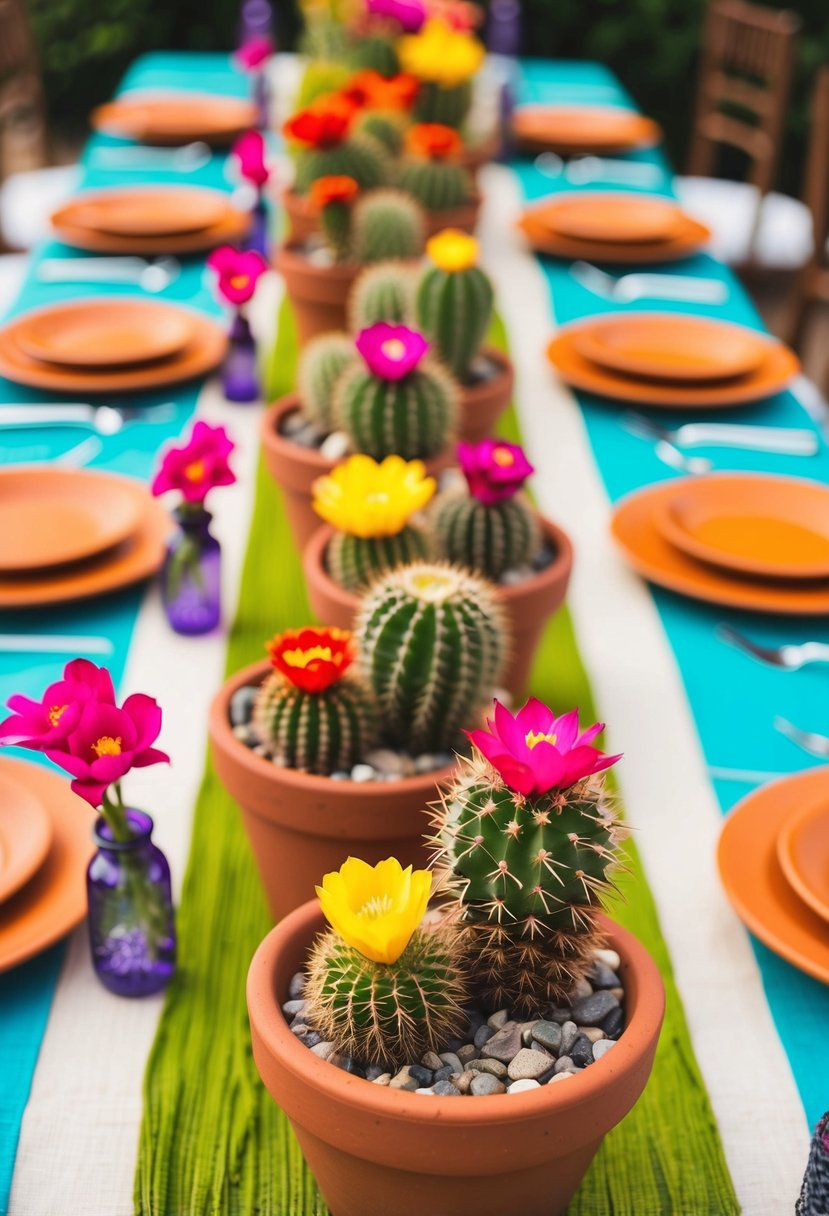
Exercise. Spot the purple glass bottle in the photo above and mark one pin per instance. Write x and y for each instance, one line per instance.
(131, 925)
(255, 21)
(191, 573)
(240, 376)
(258, 235)
(262, 99)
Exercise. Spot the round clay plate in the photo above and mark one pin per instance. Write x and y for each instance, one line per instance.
(104, 333)
(25, 835)
(166, 211)
(664, 346)
(54, 901)
(176, 118)
(636, 531)
(753, 880)
(70, 224)
(49, 517)
(602, 130)
(618, 218)
(535, 223)
(803, 853)
(760, 525)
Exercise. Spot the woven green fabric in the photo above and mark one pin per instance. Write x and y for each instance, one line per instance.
(212, 1142)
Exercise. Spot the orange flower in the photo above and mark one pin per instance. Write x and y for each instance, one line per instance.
(433, 141)
(335, 188)
(323, 124)
(312, 659)
(372, 91)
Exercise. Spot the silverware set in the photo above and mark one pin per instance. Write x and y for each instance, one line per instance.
(628, 288)
(104, 420)
(147, 158)
(585, 170)
(668, 443)
(153, 275)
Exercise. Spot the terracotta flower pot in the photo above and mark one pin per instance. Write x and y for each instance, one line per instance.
(464, 217)
(481, 152)
(302, 826)
(380, 1152)
(482, 404)
(304, 223)
(295, 468)
(318, 294)
(527, 606)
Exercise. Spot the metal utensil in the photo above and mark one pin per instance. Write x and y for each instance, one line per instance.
(637, 286)
(814, 403)
(583, 170)
(784, 441)
(810, 741)
(103, 419)
(187, 158)
(667, 451)
(33, 643)
(790, 657)
(152, 275)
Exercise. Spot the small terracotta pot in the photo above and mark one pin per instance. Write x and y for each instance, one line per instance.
(302, 826)
(304, 223)
(381, 1152)
(465, 217)
(481, 405)
(527, 607)
(475, 156)
(295, 468)
(318, 294)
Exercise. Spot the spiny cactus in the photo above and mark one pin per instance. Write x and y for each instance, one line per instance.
(438, 185)
(413, 417)
(359, 156)
(454, 301)
(488, 538)
(374, 52)
(385, 128)
(449, 106)
(320, 365)
(382, 292)
(355, 561)
(386, 224)
(431, 643)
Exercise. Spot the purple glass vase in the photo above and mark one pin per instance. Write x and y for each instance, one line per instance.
(257, 238)
(191, 573)
(131, 925)
(262, 99)
(240, 375)
(255, 21)
(503, 28)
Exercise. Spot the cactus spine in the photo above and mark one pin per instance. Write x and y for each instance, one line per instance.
(454, 310)
(446, 106)
(320, 365)
(359, 157)
(413, 417)
(488, 538)
(438, 185)
(383, 292)
(384, 127)
(431, 644)
(315, 732)
(355, 561)
(376, 53)
(386, 224)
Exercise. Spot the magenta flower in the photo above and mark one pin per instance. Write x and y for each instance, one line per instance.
(494, 470)
(253, 53)
(249, 151)
(536, 752)
(391, 351)
(107, 742)
(46, 723)
(238, 272)
(409, 14)
(197, 467)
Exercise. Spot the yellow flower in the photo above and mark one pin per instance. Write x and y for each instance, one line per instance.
(375, 909)
(452, 250)
(364, 498)
(440, 54)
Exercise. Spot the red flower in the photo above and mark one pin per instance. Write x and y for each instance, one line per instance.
(433, 141)
(375, 92)
(323, 124)
(312, 659)
(336, 188)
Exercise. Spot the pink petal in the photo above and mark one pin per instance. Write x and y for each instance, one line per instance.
(507, 728)
(566, 728)
(91, 791)
(150, 755)
(23, 705)
(587, 736)
(488, 745)
(111, 768)
(517, 776)
(548, 766)
(145, 713)
(535, 717)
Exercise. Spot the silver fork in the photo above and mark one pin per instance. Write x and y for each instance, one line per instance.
(186, 158)
(666, 450)
(810, 741)
(640, 286)
(152, 275)
(583, 170)
(785, 441)
(790, 657)
(103, 419)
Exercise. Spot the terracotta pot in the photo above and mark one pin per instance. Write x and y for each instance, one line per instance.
(318, 294)
(475, 156)
(465, 217)
(481, 405)
(381, 1152)
(302, 826)
(302, 221)
(295, 468)
(527, 607)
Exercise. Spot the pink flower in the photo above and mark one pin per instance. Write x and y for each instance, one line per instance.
(197, 467)
(253, 53)
(409, 14)
(107, 742)
(47, 723)
(494, 470)
(238, 272)
(249, 151)
(536, 752)
(391, 351)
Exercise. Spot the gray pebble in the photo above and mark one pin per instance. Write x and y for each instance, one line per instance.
(474, 1019)
(466, 1053)
(383, 1079)
(432, 1060)
(446, 1089)
(340, 775)
(306, 1034)
(297, 986)
(511, 578)
(564, 1064)
(424, 1091)
(348, 1064)
(581, 1053)
(324, 1050)
(520, 1087)
(444, 1073)
(373, 1071)
(363, 773)
(292, 1008)
(449, 1057)
(482, 1035)
(614, 1023)
(505, 1044)
(453, 1044)
(558, 1014)
(334, 446)
(463, 1081)
(581, 989)
(484, 1083)
(561, 1076)
(241, 705)
(494, 1067)
(528, 1064)
(602, 1048)
(403, 1080)
(603, 977)
(387, 762)
(593, 1033)
(499, 1019)
(246, 734)
(423, 1076)
(568, 1037)
(527, 1034)
(591, 1010)
(548, 1034)
(293, 423)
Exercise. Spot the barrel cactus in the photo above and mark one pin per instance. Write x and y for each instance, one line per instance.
(384, 103)
(391, 401)
(370, 506)
(528, 842)
(443, 60)
(320, 365)
(449, 107)
(386, 224)
(311, 712)
(382, 292)
(430, 172)
(431, 644)
(327, 146)
(454, 300)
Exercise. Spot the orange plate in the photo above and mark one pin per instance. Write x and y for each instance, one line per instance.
(650, 553)
(49, 517)
(150, 211)
(54, 901)
(803, 853)
(602, 130)
(535, 224)
(69, 227)
(757, 524)
(754, 881)
(201, 355)
(613, 217)
(25, 835)
(776, 371)
(104, 333)
(176, 118)
(135, 559)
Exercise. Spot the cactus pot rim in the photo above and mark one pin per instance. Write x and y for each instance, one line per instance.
(291, 260)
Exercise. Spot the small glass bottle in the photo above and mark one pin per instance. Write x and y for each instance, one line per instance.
(240, 376)
(258, 237)
(191, 573)
(131, 924)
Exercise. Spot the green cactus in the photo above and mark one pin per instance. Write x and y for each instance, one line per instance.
(355, 561)
(454, 310)
(359, 156)
(387, 1013)
(431, 643)
(375, 52)
(438, 185)
(413, 417)
(382, 292)
(386, 127)
(315, 732)
(386, 224)
(488, 538)
(529, 873)
(320, 365)
(447, 106)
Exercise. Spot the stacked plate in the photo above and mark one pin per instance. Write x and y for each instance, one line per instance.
(573, 130)
(612, 227)
(67, 534)
(176, 118)
(109, 345)
(150, 220)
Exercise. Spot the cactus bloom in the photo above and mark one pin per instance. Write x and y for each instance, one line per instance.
(249, 151)
(375, 909)
(312, 659)
(49, 722)
(198, 466)
(494, 470)
(323, 124)
(334, 188)
(433, 141)
(368, 89)
(536, 752)
(238, 272)
(409, 14)
(391, 352)
(440, 54)
(365, 498)
(452, 250)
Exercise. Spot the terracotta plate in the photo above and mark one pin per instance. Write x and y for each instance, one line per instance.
(754, 881)
(688, 238)
(163, 211)
(132, 561)
(803, 853)
(756, 524)
(49, 517)
(776, 371)
(651, 554)
(54, 901)
(25, 835)
(667, 346)
(202, 354)
(594, 129)
(613, 217)
(69, 226)
(175, 118)
(104, 333)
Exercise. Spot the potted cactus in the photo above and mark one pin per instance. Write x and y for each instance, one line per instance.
(444, 61)
(561, 1008)
(330, 748)
(431, 172)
